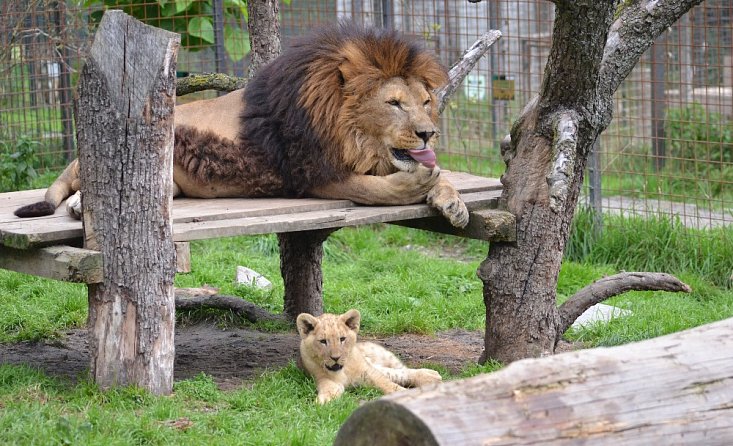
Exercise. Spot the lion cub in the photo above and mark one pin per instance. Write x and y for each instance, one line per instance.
(330, 354)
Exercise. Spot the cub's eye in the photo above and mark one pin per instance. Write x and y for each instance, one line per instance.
(427, 102)
(323, 341)
(342, 339)
(394, 103)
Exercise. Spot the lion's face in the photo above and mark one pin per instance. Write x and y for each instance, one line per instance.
(396, 127)
(328, 339)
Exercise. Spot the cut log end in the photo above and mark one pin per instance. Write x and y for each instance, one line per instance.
(384, 423)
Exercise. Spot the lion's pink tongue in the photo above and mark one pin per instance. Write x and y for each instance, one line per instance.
(424, 156)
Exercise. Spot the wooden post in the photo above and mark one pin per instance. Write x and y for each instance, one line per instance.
(675, 389)
(124, 119)
(301, 254)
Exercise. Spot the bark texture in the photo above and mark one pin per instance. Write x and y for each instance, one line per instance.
(546, 158)
(264, 32)
(676, 389)
(301, 255)
(126, 95)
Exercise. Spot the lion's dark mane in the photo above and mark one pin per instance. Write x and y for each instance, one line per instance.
(289, 124)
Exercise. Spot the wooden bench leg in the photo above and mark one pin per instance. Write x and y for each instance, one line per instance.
(301, 254)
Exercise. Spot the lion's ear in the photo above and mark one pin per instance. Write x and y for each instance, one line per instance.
(306, 323)
(352, 319)
(433, 74)
(353, 63)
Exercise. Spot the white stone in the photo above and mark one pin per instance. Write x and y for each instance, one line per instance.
(599, 313)
(250, 277)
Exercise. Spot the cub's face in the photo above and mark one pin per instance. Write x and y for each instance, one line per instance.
(328, 339)
(399, 123)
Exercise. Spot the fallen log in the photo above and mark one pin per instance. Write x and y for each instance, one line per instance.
(676, 389)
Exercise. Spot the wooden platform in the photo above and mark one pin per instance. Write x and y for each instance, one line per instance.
(22, 241)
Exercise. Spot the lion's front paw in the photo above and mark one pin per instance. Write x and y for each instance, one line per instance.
(448, 201)
(413, 187)
(422, 377)
(73, 206)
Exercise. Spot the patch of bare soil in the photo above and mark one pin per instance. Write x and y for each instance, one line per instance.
(233, 356)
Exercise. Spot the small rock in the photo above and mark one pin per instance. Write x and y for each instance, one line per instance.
(250, 277)
(599, 313)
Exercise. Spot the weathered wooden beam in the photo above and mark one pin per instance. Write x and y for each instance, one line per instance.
(124, 121)
(483, 224)
(183, 257)
(65, 263)
(676, 389)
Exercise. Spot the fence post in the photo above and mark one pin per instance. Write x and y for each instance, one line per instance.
(126, 95)
(595, 190)
(62, 54)
(219, 50)
(659, 102)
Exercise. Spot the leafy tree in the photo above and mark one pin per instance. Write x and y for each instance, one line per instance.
(192, 19)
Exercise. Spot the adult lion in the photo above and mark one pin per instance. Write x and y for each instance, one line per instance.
(345, 113)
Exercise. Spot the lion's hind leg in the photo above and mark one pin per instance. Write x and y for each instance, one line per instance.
(392, 368)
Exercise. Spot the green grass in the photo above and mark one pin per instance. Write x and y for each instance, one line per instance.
(653, 244)
(396, 277)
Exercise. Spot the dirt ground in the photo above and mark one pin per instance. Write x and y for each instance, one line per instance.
(233, 356)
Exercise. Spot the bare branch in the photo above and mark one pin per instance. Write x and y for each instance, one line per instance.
(195, 298)
(633, 32)
(209, 81)
(564, 154)
(460, 69)
(614, 285)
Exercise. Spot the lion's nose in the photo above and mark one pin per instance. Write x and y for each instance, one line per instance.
(425, 135)
(335, 358)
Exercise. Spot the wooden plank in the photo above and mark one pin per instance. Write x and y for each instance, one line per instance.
(37, 232)
(56, 262)
(61, 229)
(334, 218)
(188, 210)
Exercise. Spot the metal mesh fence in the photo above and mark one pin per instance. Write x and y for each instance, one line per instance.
(669, 148)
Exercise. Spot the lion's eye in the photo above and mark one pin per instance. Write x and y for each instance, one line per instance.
(342, 339)
(427, 102)
(394, 103)
(323, 341)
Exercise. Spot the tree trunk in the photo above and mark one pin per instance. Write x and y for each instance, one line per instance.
(301, 254)
(126, 96)
(676, 389)
(546, 158)
(264, 32)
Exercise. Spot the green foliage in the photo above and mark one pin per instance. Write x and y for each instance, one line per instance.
(17, 163)
(193, 20)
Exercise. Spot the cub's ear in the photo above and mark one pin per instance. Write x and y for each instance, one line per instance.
(352, 319)
(306, 323)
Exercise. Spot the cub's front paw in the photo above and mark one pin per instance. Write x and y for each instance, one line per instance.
(447, 200)
(73, 206)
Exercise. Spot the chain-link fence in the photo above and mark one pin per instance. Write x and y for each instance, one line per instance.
(669, 148)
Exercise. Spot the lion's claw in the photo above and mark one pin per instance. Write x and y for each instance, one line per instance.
(448, 201)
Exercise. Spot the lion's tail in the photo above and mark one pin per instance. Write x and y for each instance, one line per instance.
(66, 184)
